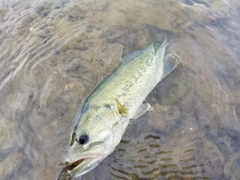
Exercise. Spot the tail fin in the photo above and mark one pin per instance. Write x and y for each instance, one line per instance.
(170, 62)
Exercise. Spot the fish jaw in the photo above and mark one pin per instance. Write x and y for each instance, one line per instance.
(79, 167)
(90, 158)
(87, 159)
(86, 165)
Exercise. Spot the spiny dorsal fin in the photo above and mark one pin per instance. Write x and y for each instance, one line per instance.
(122, 109)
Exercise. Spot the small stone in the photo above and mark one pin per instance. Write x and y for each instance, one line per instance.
(76, 14)
(7, 133)
(111, 39)
(73, 65)
(10, 164)
(211, 158)
(69, 87)
(237, 109)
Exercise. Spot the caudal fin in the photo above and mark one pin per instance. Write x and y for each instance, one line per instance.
(170, 62)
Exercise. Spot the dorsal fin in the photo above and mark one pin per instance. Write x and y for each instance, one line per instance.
(131, 56)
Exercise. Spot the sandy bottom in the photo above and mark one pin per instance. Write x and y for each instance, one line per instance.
(53, 53)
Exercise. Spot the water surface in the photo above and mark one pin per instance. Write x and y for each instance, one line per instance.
(52, 53)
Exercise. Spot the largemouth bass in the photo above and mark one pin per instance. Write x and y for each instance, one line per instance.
(107, 111)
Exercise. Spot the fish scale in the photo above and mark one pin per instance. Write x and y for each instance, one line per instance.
(118, 98)
(133, 79)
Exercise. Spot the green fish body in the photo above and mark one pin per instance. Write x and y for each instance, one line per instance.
(117, 99)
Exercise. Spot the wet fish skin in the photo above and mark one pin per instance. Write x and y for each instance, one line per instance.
(118, 98)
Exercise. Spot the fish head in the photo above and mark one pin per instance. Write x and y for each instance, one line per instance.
(98, 132)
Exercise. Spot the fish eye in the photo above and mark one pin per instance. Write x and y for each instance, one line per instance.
(83, 139)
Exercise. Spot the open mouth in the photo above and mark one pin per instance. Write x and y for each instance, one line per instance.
(64, 174)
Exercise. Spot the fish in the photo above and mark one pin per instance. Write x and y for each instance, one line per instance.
(107, 111)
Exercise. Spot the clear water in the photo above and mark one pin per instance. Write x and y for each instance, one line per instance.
(52, 53)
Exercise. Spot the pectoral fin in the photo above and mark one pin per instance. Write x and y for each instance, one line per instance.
(73, 138)
(141, 110)
(122, 109)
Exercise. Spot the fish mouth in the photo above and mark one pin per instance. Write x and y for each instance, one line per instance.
(66, 171)
(79, 167)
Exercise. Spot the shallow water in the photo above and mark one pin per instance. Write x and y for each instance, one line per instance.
(53, 53)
